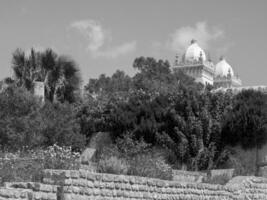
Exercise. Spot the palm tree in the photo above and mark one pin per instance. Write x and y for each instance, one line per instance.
(21, 70)
(63, 80)
(60, 74)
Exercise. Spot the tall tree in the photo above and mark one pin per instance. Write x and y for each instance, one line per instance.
(118, 82)
(156, 76)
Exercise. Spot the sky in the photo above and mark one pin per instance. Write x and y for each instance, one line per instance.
(105, 35)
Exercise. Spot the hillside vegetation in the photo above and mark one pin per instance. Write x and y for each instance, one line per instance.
(157, 119)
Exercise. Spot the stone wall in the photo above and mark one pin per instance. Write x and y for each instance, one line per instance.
(34, 191)
(84, 185)
(81, 185)
(15, 194)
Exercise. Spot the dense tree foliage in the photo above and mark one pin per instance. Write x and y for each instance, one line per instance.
(186, 124)
(24, 122)
(159, 107)
(246, 122)
(119, 81)
(163, 108)
(153, 77)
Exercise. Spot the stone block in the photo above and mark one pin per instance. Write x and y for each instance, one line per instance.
(83, 173)
(74, 174)
(87, 155)
(107, 178)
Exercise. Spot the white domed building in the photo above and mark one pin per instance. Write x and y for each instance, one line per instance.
(224, 75)
(195, 63)
(194, 52)
(223, 69)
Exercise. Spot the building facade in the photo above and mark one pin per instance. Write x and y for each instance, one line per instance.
(195, 63)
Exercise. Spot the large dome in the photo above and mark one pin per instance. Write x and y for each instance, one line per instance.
(194, 52)
(222, 68)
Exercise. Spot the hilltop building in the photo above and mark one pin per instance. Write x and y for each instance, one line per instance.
(195, 63)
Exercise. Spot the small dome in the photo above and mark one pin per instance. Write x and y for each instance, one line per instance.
(222, 68)
(194, 52)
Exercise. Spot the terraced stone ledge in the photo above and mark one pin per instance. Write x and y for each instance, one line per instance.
(82, 184)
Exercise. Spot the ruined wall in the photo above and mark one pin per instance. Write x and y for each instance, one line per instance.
(81, 185)
(188, 176)
(39, 89)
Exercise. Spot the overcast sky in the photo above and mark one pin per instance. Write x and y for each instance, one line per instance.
(102, 36)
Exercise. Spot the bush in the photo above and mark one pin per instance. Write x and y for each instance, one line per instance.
(16, 105)
(112, 165)
(142, 159)
(59, 125)
(27, 165)
(20, 170)
(56, 157)
(130, 147)
(144, 163)
(148, 165)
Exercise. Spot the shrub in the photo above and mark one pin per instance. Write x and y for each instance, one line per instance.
(130, 147)
(59, 125)
(142, 162)
(112, 165)
(148, 165)
(56, 157)
(16, 105)
(27, 165)
(110, 160)
(20, 170)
